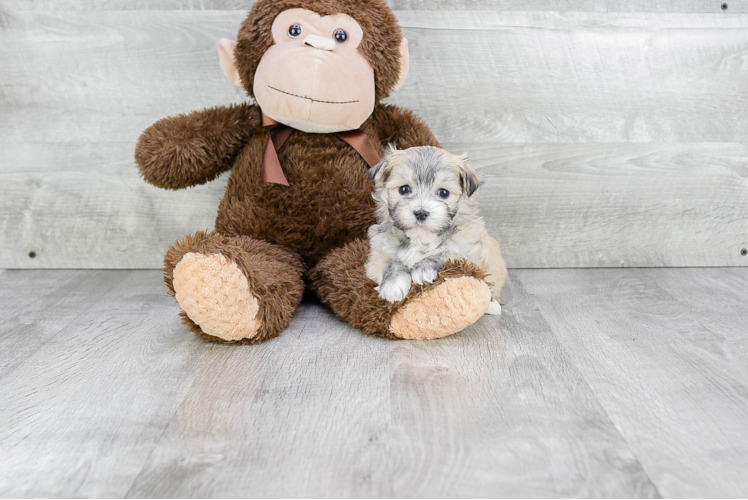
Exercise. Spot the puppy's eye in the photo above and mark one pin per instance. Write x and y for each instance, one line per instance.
(443, 193)
(404, 189)
(294, 31)
(341, 36)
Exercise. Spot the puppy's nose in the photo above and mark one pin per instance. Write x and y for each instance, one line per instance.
(421, 214)
(320, 42)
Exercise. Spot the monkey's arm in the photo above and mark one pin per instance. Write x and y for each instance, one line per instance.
(402, 128)
(194, 148)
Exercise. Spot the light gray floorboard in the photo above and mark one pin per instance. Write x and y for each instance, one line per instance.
(81, 413)
(369, 417)
(666, 363)
(42, 304)
(719, 306)
(608, 138)
(593, 383)
(303, 415)
(501, 411)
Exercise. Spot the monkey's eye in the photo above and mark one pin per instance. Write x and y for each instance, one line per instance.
(443, 193)
(341, 36)
(295, 30)
(404, 190)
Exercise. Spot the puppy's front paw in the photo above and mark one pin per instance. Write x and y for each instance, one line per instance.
(426, 271)
(395, 288)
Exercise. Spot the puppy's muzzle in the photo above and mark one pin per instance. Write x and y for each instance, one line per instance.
(421, 215)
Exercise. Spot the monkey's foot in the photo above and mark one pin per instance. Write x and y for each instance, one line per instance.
(450, 307)
(216, 296)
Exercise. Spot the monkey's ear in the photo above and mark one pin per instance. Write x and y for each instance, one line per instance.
(471, 180)
(226, 59)
(404, 64)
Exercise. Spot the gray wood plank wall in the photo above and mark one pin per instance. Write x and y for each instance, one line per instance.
(611, 133)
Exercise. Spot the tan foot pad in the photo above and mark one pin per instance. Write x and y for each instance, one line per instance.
(215, 294)
(452, 306)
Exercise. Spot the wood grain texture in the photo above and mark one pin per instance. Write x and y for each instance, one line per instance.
(550, 205)
(597, 111)
(616, 205)
(500, 411)
(33, 304)
(81, 412)
(84, 206)
(660, 354)
(104, 76)
(593, 383)
(305, 415)
(665, 6)
(578, 77)
(123, 401)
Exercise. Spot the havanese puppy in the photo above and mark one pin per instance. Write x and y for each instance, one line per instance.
(427, 215)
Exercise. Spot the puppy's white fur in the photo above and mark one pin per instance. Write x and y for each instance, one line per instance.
(408, 246)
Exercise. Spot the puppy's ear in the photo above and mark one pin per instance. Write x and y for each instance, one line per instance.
(378, 173)
(471, 180)
(374, 171)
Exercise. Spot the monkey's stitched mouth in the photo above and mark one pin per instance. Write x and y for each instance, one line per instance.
(309, 98)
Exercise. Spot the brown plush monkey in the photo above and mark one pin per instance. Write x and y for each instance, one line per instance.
(298, 201)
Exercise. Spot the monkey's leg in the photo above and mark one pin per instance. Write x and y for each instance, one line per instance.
(233, 288)
(455, 300)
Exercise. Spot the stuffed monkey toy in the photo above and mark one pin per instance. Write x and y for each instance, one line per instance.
(299, 199)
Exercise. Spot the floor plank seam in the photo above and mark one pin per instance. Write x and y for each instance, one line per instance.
(163, 432)
(581, 375)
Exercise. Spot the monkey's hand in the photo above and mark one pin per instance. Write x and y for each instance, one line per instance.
(426, 271)
(395, 283)
(191, 149)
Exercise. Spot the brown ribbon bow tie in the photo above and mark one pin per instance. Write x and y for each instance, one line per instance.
(271, 170)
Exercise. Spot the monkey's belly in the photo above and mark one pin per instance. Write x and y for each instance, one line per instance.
(327, 204)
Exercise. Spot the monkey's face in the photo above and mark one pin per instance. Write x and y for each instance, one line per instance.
(313, 78)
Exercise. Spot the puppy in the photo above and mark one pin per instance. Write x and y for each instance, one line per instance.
(426, 216)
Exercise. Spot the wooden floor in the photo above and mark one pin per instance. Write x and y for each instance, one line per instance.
(609, 383)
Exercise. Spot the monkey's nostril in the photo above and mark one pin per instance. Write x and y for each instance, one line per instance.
(421, 215)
